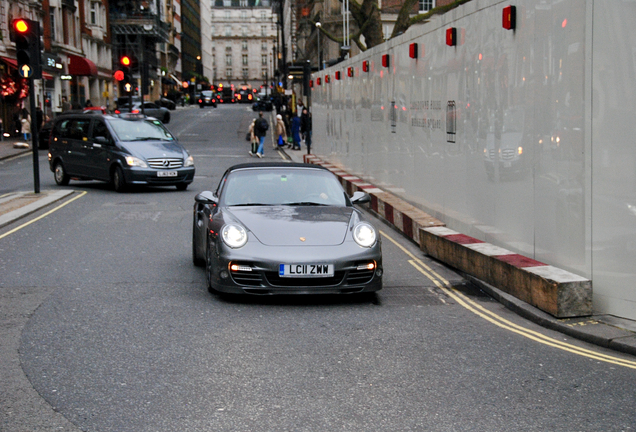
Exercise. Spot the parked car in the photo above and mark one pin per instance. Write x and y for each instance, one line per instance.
(124, 149)
(150, 109)
(206, 98)
(166, 103)
(263, 105)
(285, 228)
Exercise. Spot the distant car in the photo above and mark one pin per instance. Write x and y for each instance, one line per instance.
(245, 96)
(206, 98)
(44, 134)
(150, 109)
(124, 149)
(285, 228)
(263, 105)
(166, 103)
(101, 109)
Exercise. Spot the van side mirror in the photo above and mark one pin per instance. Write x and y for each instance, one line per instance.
(101, 140)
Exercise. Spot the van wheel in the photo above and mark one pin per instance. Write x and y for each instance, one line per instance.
(166, 118)
(182, 186)
(61, 177)
(119, 181)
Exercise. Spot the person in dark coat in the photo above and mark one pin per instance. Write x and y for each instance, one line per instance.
(305, 128)
(295, 129)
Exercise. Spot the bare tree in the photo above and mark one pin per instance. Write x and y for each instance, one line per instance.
(367, 17)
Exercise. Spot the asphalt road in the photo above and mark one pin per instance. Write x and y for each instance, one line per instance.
(114, 330)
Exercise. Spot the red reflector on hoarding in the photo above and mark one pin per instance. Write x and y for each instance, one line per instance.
(413, 50)
(338, 75)
(311, 83)
(327, 79)
(509, 17)
(318, 81)
(365, 66)
(451, 36)
(385, 60)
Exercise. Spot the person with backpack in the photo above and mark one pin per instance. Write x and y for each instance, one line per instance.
(260, 130)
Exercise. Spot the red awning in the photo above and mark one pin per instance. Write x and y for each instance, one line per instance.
(11, 62)
(81, 66)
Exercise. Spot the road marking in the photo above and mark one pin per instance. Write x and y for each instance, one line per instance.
(499, 321)
(41, 216)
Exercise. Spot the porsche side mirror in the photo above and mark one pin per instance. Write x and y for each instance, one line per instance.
(360, 197)
(206, 197)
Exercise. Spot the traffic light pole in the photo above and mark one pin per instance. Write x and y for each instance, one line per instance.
(34, 138)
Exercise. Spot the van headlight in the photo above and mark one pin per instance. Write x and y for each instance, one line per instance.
(234, 236)
(133, 161)
(364, 234)
(189, 161)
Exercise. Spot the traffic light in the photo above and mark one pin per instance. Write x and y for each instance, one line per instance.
(26, 35)
(124, 74)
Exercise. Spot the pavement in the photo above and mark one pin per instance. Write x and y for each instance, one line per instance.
(604, 330)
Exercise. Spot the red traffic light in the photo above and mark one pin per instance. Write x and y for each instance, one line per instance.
(119, 75)
(125, 61)
(20, 25)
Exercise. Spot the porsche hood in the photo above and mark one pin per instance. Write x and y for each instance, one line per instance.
(296, 225)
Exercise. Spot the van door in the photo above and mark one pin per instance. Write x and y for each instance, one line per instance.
(77, 140)
(100, 151)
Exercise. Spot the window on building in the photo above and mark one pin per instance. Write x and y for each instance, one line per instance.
(426, 5)
(227, 3)
(244, 45)
(228, 59)
(246, 73)
(228, 73)
(228, 15)
(244, 31)
(264, 60)
(263, 15)
(243, 3)
(94, 7)
(245, 60)
(52, 24)
(263, 46)
(228, 30)
(264, 73)
(228, 48)
(244, 15)
(213, 30)
(263, 30)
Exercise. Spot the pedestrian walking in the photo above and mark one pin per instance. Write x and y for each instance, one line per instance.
(260, 130)
(305, 128)
(66, 105)
(25, 120)
(295, 131)
(253, 139)
(281, 132)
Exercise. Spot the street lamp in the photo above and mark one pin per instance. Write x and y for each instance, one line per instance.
(318, 25)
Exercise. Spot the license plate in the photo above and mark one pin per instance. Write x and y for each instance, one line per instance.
(306, 270)
(166, 173)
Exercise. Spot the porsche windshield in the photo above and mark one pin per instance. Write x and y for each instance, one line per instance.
(280, 186)
(140, 130)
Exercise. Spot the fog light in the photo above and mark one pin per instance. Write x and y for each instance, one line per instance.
(378, 272)
(368, 266)
(224, 274)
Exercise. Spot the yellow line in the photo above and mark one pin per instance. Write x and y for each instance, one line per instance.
(42, 216)
(500, 321)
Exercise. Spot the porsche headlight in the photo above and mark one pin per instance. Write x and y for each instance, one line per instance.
(133, 161)
(364, 234)
(189, 161)
(234, 236)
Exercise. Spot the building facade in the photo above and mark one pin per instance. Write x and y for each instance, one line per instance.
(243, 39)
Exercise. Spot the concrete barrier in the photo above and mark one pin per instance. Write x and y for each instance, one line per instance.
(553, 290)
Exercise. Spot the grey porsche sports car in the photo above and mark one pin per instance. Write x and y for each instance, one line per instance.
(285, 228)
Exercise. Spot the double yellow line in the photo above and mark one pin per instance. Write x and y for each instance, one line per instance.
(499, 321)
(41, 216)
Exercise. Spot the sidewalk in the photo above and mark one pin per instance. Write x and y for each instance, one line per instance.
(12, 146)
(604, 330)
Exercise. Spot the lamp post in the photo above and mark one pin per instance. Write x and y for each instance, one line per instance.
(318, 25)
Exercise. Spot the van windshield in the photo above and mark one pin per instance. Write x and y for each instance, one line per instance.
(140, 130)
